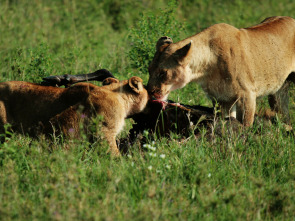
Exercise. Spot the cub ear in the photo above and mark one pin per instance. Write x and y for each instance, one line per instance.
(183, 52)
(163, 43)
(135, 83)
(108, 81)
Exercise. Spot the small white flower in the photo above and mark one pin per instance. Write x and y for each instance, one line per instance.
(150, 167)
(146, 145)
(152, 148)
(153, 154)
(168, 166)
(162, 156)
(132, 164)
(209, 175)
(145, 133)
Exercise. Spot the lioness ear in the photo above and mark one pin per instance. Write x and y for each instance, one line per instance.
(163, 43)
(135, 84)
(108, 81)
(183, 52)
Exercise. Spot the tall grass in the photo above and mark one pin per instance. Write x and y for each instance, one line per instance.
(243, 176)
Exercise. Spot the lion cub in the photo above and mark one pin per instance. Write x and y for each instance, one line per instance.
(31, 108)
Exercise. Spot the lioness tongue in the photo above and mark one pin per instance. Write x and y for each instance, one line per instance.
(163, 103)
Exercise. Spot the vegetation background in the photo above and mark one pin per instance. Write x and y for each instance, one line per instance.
(247, 176)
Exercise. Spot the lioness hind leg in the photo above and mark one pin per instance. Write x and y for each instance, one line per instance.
(279, 102)
(246, 106)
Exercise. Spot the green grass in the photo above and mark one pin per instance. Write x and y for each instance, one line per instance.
(245, 176)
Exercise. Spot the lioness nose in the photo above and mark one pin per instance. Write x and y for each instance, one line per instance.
(151, 90)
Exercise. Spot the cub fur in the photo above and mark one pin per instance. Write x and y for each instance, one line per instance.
(31, 108)
(234, 66)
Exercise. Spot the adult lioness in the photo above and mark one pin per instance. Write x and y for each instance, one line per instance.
(26, 106)
(234, 66)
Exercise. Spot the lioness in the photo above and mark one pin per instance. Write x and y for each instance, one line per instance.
(234, 66)
(26, 106)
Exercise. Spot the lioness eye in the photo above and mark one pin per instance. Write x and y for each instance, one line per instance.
(162, 75)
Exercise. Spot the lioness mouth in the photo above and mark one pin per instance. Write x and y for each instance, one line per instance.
(163, 103)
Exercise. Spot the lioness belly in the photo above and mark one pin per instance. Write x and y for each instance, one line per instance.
(218, 88)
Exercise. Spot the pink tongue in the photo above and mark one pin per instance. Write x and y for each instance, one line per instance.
(163, 103)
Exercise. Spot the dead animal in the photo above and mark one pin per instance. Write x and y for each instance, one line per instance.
(67, 80)
(185, 120)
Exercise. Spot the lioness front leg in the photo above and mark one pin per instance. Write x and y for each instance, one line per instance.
(246, 105)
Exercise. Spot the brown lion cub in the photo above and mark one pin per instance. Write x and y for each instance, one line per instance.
(31, 108)
(234, 66)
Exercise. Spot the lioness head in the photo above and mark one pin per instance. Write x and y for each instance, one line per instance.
(169, 69)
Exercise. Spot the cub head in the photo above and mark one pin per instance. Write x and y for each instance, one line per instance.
(132, 91)
(139, 96)
(169, 69)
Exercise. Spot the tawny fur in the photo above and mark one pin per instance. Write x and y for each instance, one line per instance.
(31, 108)
(234, 66)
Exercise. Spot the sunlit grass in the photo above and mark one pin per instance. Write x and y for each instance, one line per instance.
(248, 175)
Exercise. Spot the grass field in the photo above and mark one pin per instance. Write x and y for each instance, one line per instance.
(244, 176)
